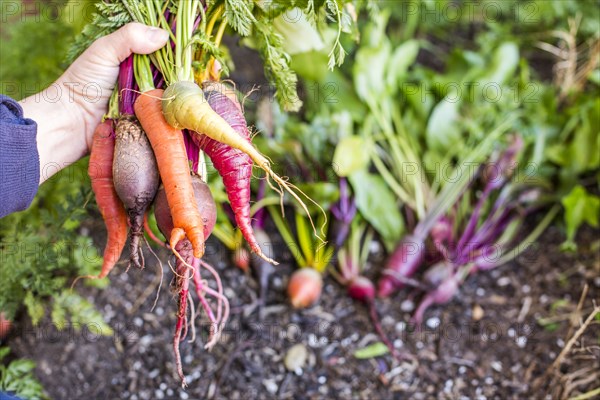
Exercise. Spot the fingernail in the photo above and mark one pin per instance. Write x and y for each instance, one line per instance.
(157, 35)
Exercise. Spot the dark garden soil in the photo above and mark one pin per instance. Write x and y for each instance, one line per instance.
(487, 343)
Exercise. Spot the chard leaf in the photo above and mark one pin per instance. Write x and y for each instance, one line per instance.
(443, 130)
(378, 205)
(351, 154)
(402, 58)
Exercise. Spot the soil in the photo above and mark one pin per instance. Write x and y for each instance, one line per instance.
(486, 343)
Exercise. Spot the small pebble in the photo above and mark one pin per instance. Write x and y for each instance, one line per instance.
(374, 247)
(277, 282)
(543, 299)
(521, 341)
(511, 332)
(526, 289)
(400, 326)
(183, 395)
(504, 281)
(398, 343)
(322, 380)
(496, 366)
(295, 358)
(419, 345)
(477, 312)
(159, 394)
(433, 322)
(162, 386)
(407, 305)
(159, 311)
(560, 343)
(480, 292)
(153, 374)
(489, 380)
(271, 385)
(462, 369)
(137, 321)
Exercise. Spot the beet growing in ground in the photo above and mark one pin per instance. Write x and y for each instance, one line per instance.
(487, 342)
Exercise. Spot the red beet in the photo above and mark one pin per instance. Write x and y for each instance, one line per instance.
(135, 176)
(362, 289)
(403, 263)
(204, 200)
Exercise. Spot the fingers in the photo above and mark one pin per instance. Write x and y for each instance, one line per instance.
(131, 38)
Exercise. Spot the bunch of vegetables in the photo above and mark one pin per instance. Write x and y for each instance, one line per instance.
(168, 113)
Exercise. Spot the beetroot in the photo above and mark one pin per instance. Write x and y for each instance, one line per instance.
(362, 289)
(135, 176)
(204, 200)
(403, 263)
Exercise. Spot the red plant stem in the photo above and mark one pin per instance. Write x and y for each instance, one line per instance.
(127, 95)
(381, 332)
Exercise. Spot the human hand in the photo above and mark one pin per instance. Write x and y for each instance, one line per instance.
(66, 126)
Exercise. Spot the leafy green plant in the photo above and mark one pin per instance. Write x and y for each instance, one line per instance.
(42, 249)
(17, 378)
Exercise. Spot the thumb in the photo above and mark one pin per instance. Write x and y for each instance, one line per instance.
(131, 38)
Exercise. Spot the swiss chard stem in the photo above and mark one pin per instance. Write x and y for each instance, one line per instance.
(451, 192)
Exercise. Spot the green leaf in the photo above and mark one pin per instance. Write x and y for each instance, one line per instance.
(503, 66)
(351, 154)
(239, 14)
(443, 130)
(83, 313)
(59, 316)
(339, 93)
(371, 351)
(580, 207)
(35, 308)
(378, 205)
(370, 71)
(4, 352)
(311, 65)
(402, 58)
(22, 366)
(298, 35)
(277, 65)
(323, 193)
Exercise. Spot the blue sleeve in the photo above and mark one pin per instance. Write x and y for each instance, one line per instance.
(19, 158)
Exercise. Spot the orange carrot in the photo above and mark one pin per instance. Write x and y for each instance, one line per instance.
(169, 149)
(111, 208)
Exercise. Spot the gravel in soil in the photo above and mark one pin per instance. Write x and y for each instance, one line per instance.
(487, 343)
